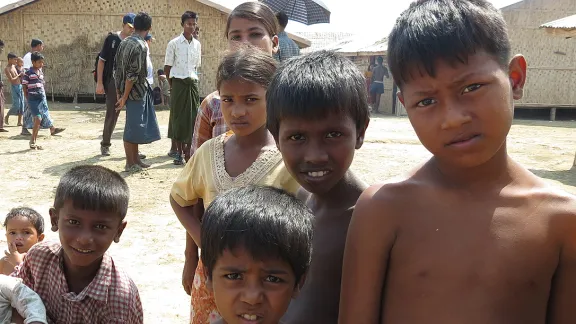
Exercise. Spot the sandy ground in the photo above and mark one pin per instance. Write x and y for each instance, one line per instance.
(152, 246)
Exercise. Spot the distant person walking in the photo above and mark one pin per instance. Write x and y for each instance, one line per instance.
(36, 45)
(2, 130)
(105, 81)
(183, 57)
(287, 48)
(135, 93)
(377, 86)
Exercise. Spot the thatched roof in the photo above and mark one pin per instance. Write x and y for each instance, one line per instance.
(562, 27)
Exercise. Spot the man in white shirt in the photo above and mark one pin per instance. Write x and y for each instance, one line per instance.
(183, 57)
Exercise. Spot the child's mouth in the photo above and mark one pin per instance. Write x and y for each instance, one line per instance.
(82, 251)
(250, 317)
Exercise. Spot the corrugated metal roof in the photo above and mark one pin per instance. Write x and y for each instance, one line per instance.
(564, 23)
(360, 46)
(10, 5)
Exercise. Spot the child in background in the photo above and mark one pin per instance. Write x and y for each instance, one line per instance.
(256, 246)
(15, 77)
(471, 236)
(76, 278)
(24, 227)
(318, 114)
(33, 83)
(244, 156)
(165, 87)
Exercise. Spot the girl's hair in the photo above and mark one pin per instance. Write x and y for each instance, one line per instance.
(33, 217)
(247, 63)
(255, 11)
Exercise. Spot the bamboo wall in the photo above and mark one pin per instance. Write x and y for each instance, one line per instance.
(73, 32)
(551, 59)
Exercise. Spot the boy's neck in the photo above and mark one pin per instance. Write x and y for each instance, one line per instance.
(78, 278)
(260, 137)
(500, 170)
(344, 193)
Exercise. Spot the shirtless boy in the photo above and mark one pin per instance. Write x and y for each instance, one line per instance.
(14, 76)
(471, 236)
(317, 111)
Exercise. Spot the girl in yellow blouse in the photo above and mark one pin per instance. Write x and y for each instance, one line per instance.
(247, 155)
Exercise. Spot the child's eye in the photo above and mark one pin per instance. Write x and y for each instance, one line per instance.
(226, 100)
(12, 233)
(235, 38)
(426, 102)
(274, 279)
(73, 222)
(333, 134)
(472, 87)
(233, 276)
(101, 227)
(27, 233)
(256, 35)
(251, 99)
(296, 137)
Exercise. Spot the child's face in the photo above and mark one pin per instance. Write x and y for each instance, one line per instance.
(463, 115)
(38, 64)
(21, 232)
(20, 62)
(243, 106)
(251, 291)
(85, 235)
(318, 153)
(244, 31)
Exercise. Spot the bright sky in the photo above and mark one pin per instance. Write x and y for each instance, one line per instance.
(353, 16)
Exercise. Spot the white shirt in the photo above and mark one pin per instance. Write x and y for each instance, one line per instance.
(150, 76)
(27, 60)
(184, 57)
(13, 293)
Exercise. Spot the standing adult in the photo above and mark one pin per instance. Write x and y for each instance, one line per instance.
(105, 81)
(2, 102)
(287, 48)
(36, 45)
(377, 86)
(183, 57)
(134, 92)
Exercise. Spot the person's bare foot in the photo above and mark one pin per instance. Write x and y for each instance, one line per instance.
(2, 130)
(143, 165)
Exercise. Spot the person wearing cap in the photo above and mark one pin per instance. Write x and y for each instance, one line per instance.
(183, 57)
(105, 80)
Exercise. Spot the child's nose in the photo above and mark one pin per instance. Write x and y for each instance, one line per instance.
(252, 295)
(316, 154)
(455, 115)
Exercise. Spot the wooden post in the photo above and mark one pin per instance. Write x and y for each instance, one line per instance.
(552, 114)
(574, 164)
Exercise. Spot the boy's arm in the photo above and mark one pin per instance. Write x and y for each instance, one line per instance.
(28, 304)
(169, 61)
(189, 218)
(561, 308)
(370, 238)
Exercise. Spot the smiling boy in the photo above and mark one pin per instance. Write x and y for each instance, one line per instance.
(471, 236)
(318, 114)
(77, 280)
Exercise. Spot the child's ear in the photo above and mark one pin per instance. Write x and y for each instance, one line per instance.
(400, 97)
(41, 237)
(299, 286)
(361, 134)
(517, 75)
(275, 42)
(53, 219)
(120, 231)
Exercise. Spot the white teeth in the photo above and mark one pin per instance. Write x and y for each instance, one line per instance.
(317, 174)
(83, 251)
(249, 317)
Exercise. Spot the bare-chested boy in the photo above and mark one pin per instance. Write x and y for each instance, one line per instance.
(471, 236)
(14, 76)
(317, 111)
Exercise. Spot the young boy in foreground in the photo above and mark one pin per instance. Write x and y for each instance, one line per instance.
(77, 280)
(256, 245)
(317, 111)
(471, 236)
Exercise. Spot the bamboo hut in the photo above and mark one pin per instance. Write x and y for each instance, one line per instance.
(551, 63)
(74, 30)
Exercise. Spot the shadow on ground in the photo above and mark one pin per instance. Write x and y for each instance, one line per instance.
(567, 177)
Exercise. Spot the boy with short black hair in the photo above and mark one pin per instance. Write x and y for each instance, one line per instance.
(256, 248)
(15, 77)
(471, 236)
(78, 281)
(317, 111)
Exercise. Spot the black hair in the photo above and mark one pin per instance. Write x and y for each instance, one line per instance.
(12, 56)
(449, 30)
(380, 59)
(160, 72)
(255, 11)
(247, 63)
(93, 187)
(266, 221)
(36, 56)
(35, 42)
(1, 43)
(33, 217)
(282, 19)
(189, 15)
(315, 85)
(142, 22)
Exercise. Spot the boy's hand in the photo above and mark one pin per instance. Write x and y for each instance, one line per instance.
(13, 256)
(99, 88)
(120, 104)
(188, 274)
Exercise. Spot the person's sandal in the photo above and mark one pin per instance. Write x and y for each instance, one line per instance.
(179, 160)
(34, 146)
(57, 131)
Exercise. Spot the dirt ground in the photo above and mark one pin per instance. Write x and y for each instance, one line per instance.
(152, 246)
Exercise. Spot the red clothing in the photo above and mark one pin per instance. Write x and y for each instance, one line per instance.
(111, 297)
